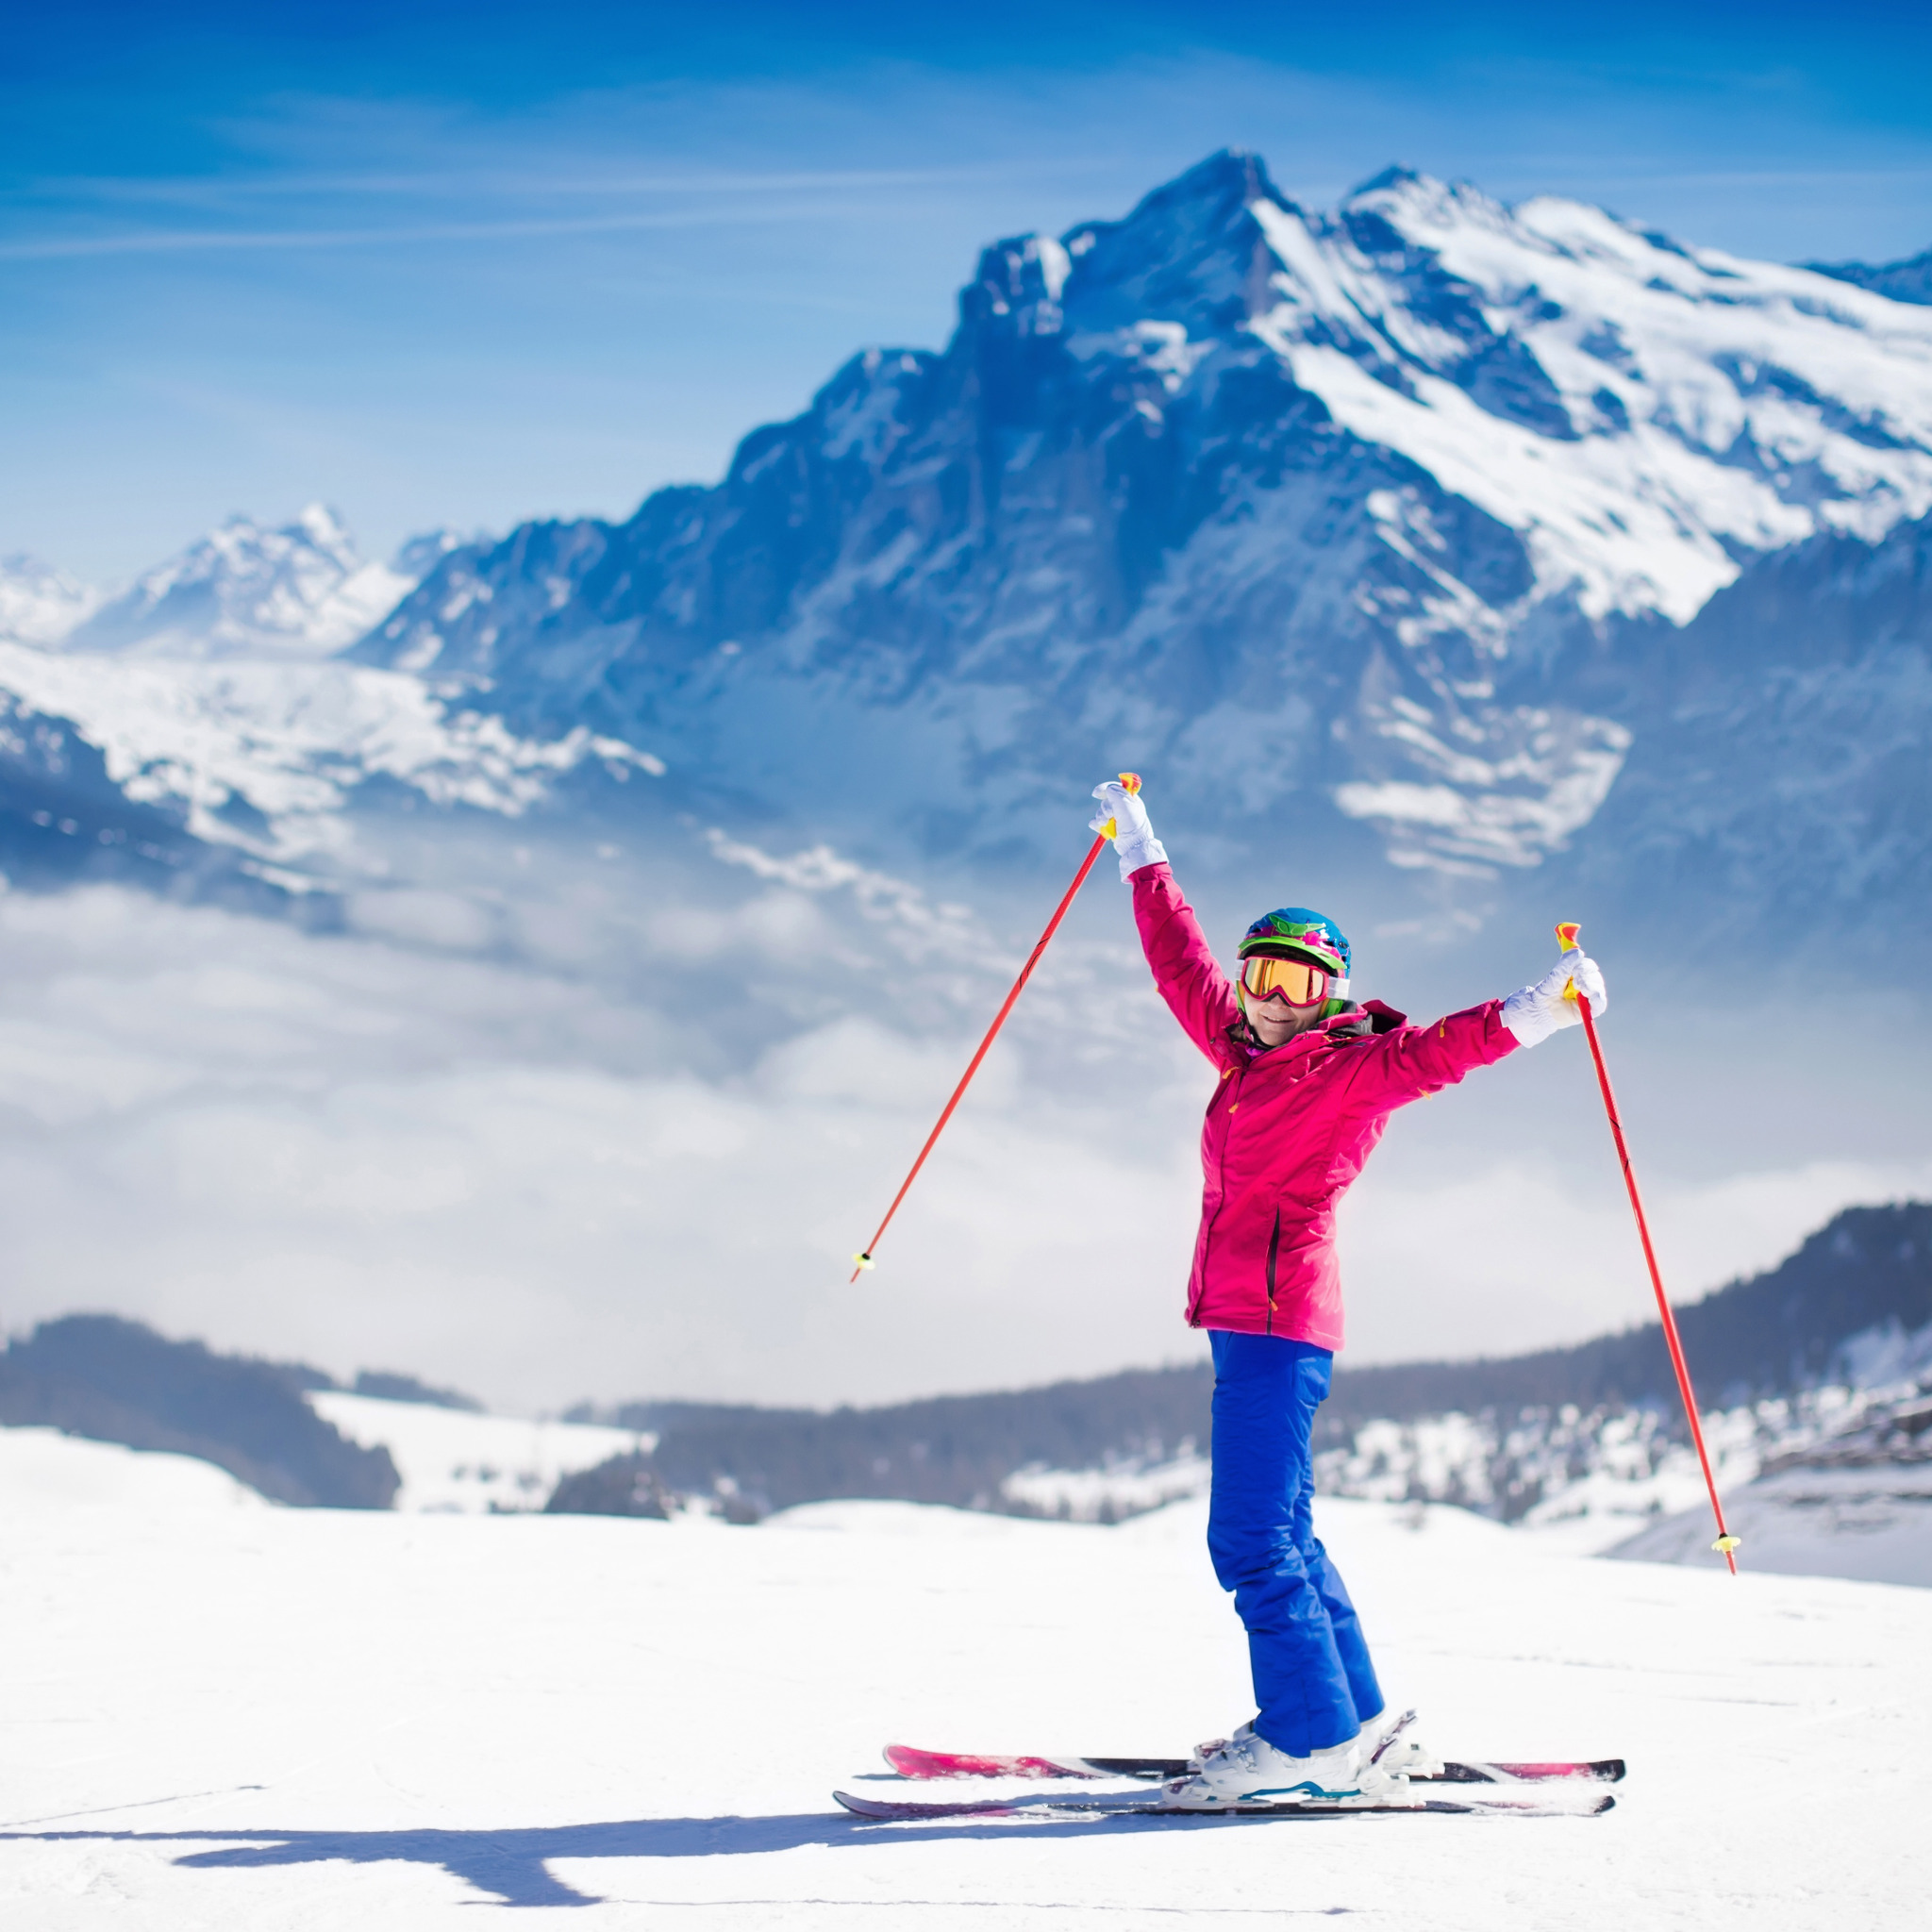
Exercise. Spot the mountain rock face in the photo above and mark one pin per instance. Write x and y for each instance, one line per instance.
(1397, 512)
(1903, 281)
(1783, 750)
(245, 592)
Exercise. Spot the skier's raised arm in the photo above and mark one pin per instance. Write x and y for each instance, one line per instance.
(1191, 981)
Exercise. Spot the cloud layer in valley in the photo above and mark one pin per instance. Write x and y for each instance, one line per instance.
(565, 1143)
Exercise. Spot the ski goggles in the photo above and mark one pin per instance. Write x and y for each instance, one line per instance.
(1293, 980)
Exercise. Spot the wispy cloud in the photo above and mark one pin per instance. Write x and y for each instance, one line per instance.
(463, 183)
(179, 241)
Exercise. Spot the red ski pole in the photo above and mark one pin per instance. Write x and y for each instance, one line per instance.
(863, 1259)
(1727, 1543)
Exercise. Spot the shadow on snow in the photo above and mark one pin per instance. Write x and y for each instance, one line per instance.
(513, 1866)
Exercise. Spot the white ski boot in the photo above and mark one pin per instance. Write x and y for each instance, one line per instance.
(1389, 1741)
(1247, 1771)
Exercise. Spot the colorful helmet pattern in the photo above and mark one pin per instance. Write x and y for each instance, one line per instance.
(1293, 932)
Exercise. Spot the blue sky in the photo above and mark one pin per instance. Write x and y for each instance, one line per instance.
(442, 263)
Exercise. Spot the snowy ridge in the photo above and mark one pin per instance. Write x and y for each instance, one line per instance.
(38, 603)
(246, 590)
(1644, 412)
(265, 757)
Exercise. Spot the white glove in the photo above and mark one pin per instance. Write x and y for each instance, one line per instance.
(1133, 837)
(1539, 1010)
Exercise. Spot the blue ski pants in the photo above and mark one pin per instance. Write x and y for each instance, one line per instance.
(1314, 1683)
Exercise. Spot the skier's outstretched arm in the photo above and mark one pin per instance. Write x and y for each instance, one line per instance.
(1415, 1060)
(1191, 981)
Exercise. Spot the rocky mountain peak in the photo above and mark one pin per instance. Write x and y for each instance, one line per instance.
(1372, 495)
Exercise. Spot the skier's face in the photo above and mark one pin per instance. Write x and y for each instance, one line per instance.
(1276, 1021)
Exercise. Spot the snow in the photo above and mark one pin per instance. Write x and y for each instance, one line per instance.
(267, 1717)
(454, 1462)
(245, 591)
(1717, 365)
(292, 741)
(39, 605)
(1873, 1522)
(42, 1471)
(1128, 1488)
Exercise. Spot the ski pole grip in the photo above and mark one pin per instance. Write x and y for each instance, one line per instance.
(1566, 939)
(1130, 782)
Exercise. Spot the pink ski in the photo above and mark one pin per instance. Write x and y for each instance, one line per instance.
(910, 1763)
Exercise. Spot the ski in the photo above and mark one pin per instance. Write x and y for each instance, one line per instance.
(1125, 1805)
(912, 1763)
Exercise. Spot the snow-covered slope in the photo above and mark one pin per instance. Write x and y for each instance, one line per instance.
(264, 758)
(43, 1470)
(289, 1717)
(245, 591)
(1377, 509)
(1853, 1502)
(1869, 1519)
(454, 1462)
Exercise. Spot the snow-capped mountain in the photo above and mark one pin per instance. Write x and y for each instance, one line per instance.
(1470, 534)
(199, 720)
(1392, 511)
(262, 758)
(39, 605)
(245, 591)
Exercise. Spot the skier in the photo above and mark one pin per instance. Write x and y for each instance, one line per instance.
(1308, 1079)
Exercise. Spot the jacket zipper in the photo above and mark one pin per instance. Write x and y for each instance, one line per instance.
(1227, 1074)
(1274, 1245)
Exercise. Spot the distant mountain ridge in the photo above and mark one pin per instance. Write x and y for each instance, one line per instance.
(1863, 1279)
(117, 1381)
(1906, 280)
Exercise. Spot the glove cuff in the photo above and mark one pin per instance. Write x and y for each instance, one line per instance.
(1527, 1018)
(1142, 852)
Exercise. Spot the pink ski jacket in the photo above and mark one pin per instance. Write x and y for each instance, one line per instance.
(1290, 1126)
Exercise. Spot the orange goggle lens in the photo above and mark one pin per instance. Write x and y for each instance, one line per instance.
(1293, 980)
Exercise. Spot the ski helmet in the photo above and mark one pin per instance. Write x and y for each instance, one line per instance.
(1293, 932)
